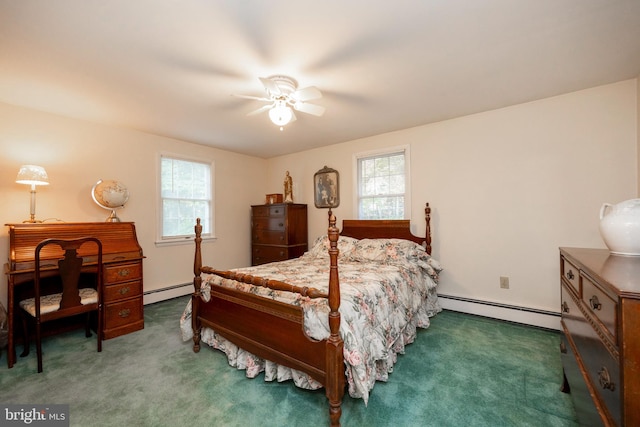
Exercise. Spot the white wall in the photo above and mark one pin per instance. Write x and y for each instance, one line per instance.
(507, 187)
(76, 154)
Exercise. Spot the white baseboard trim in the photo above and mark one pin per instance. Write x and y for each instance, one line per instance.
(511, 313)
(164, 294)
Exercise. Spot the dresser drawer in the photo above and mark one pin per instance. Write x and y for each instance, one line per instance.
(264, 254)
(586, 410)
(569, 309)
(123, 313)
(603, 372)
(121, 291)
(601, 367)
(268, 211)
(603, 307)
(269, 223)
(122, 272)
(571, 274)
(269, 237)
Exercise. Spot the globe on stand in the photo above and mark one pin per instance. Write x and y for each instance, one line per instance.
(110, 195)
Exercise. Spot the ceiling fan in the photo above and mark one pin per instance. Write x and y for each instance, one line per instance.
(283, 97)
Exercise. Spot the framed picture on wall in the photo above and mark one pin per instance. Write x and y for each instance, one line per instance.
(326, 188)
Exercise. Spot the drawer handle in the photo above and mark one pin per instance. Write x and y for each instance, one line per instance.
(563, 348)
(277, 211)
(570, 275)
(595, 303)
(565, 307)
(124, 313)
(124, 291)
(124, 272)
(605, 379)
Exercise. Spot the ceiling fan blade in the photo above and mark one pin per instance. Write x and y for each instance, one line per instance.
(257, 98)
(307, 94)
(270, 86)
(316, 110)
(260, 110)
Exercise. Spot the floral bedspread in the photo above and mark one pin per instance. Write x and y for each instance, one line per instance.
(387, 287)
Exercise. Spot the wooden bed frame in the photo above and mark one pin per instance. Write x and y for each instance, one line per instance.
(273, 330)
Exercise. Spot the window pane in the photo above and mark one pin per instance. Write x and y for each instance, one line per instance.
(382, 186)
(186, 195)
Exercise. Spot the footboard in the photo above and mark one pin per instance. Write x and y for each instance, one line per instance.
(269, 329)
(274, 330)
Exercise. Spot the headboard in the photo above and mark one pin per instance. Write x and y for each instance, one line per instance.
(387, 229)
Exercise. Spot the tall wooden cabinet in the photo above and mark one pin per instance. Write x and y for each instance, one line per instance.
(278, 232)
(600, 348)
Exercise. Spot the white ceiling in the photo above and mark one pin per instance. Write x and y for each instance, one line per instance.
(169, 67)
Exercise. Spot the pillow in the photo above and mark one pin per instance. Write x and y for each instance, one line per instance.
(320, 248)
(387, 250)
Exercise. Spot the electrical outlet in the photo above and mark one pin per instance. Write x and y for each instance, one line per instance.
(504, 282)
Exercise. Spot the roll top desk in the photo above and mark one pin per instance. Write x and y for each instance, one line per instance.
(122, 270)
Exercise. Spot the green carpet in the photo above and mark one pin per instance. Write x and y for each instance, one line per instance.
(463, 370)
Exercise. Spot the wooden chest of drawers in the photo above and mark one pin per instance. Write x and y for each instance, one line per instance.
(600, 305)
(278, 232)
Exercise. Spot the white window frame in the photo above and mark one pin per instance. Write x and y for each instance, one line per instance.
(208, 223)
(382, 152)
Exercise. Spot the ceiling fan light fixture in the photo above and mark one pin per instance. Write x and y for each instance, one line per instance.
(281, 114)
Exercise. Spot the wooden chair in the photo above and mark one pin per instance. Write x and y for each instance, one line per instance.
(72, 301)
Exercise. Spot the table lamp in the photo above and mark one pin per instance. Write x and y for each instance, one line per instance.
(32, 175)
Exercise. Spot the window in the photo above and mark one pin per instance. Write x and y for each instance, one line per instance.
(185, 194)
(383, 184)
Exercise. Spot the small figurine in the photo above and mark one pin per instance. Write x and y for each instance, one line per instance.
(288, 188)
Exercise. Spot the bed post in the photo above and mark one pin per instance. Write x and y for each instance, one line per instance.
(197, 281)
(427, 217)
(335, 356)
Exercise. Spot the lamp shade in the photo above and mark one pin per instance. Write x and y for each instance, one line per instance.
(33, 175)
(280, 114)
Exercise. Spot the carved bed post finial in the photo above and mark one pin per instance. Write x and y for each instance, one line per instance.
(197, 282)
(427, 217)
(335, 356)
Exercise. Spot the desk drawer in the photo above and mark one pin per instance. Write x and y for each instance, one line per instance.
(121, 291)
(123, 313)
(122, 273)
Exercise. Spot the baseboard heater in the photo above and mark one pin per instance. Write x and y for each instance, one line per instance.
(512, 313)
(163, 294)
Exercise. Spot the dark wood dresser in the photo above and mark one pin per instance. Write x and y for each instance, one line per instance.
(278, 232)
(600, 347)
(122, 259)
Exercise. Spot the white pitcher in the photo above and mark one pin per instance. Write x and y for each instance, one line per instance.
(620, 227)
